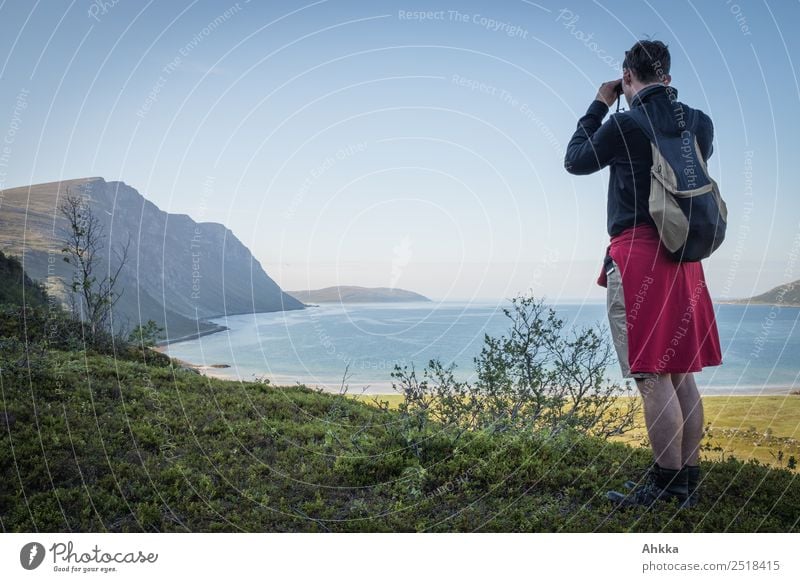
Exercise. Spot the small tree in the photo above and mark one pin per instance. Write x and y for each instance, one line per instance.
(146, 335)
(92, 297)
(534, 377)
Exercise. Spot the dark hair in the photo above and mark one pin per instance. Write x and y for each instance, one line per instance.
(649, 60)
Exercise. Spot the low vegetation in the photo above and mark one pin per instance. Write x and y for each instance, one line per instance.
(127, 441)
(96, 443)
(538, 376)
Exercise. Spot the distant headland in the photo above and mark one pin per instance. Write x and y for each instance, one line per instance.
(786, 295)
(355, 294)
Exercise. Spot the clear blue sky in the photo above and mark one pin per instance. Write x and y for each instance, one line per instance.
(357, 143)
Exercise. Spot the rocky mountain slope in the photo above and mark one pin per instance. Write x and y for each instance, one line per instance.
(179, 272)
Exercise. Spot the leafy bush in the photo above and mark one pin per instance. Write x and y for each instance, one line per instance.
(146, 335)
(534, 377)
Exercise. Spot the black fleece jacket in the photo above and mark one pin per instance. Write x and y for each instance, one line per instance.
(621, 144)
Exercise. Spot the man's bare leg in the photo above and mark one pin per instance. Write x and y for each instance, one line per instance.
(664, 419)
(692, 410)
(667, 479)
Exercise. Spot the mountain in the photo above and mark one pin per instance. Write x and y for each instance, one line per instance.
(353, 294)
(179, 272)
(786, 295)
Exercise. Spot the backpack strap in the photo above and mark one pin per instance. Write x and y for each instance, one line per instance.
(642, 120)
(678, 169)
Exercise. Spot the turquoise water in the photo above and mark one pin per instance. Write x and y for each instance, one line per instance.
(761, 344)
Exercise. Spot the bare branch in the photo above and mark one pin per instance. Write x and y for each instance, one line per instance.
(83, 241)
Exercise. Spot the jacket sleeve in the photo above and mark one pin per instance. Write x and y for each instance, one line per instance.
(594, 143)
(705, 136)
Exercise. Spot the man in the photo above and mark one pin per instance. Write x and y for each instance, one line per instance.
(660, 312)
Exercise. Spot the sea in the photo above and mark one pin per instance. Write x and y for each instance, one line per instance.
(355, 347)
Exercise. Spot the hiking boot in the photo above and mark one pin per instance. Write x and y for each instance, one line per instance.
(693, 478)
(661, 485)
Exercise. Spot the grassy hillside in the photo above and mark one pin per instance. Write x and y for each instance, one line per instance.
(97, 443)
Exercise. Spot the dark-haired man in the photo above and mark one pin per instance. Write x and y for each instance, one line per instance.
(660, 312)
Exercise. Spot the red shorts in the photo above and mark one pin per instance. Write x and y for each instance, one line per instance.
(661, 315)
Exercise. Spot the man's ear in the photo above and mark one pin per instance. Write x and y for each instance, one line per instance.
(626, 76)
(667, 79)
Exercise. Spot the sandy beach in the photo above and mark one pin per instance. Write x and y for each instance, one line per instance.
(211, 370)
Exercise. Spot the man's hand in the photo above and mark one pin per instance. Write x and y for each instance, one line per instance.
(606, 93)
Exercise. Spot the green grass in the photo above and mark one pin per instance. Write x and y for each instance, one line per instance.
(95, 443)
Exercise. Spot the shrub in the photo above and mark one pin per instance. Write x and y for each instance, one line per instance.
(534, 377)
(146, 335)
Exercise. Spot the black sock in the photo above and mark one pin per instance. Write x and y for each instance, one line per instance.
(666, 478)
(693, 473)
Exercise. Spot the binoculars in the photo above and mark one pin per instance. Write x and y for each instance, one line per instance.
(618, 91)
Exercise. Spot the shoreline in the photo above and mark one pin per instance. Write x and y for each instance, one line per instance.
(205, 370)
(384, 388)
(194, 335)
(219, 327)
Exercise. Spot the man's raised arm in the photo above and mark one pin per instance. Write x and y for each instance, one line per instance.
(594, 143)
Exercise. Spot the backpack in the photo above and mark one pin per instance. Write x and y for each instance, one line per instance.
(685, 202)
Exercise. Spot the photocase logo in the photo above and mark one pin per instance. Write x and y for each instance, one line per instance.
(32, 555)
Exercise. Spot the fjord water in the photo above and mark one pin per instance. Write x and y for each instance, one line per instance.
(760, 343)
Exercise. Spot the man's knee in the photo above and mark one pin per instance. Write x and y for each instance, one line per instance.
(685, 385)
(647, 381)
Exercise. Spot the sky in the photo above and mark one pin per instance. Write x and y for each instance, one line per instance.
(403, 144)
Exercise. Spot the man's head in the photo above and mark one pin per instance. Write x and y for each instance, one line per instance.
(646, 63)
